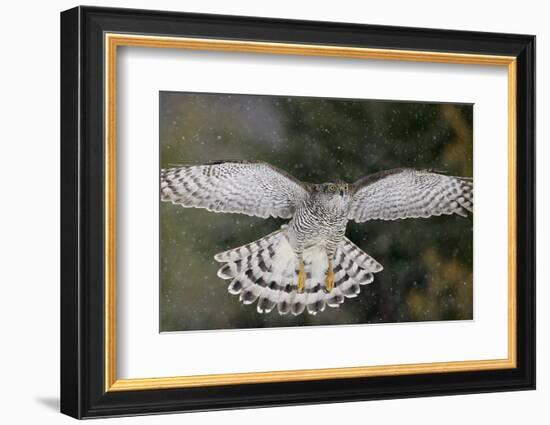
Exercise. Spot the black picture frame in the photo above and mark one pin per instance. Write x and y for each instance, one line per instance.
(83, 392)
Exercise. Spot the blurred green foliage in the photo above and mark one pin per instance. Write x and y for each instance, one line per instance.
(427, 262)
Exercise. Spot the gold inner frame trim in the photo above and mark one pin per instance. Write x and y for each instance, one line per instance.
(113, 41)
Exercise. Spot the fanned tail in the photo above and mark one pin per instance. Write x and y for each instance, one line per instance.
(266, 271)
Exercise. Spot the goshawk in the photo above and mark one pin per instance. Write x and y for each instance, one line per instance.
(309, 263)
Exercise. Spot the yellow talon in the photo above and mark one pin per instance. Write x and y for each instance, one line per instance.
(301, 277)
(329, 281)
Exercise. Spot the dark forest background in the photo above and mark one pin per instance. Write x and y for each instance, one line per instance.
(427, 262)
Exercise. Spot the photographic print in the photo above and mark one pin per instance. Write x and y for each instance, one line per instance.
(282, 211)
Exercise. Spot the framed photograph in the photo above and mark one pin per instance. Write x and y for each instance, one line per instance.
(261, 212)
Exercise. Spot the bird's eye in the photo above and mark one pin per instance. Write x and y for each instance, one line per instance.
(331, 188)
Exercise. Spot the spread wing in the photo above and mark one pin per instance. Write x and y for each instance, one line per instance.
(410, 193)
(251, 188)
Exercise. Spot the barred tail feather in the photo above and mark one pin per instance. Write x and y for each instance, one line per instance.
(266, 271)
(250, 248)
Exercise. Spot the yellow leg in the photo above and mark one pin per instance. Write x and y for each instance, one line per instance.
(301, 277)
(329, 281)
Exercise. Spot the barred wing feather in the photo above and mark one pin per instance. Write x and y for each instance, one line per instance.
(409, 193)
(251, 188)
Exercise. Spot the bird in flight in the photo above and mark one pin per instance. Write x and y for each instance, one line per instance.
(308, 263)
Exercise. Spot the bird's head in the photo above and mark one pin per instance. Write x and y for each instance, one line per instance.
(333, 194)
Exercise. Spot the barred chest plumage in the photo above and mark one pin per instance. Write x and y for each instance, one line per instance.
(318, 224)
